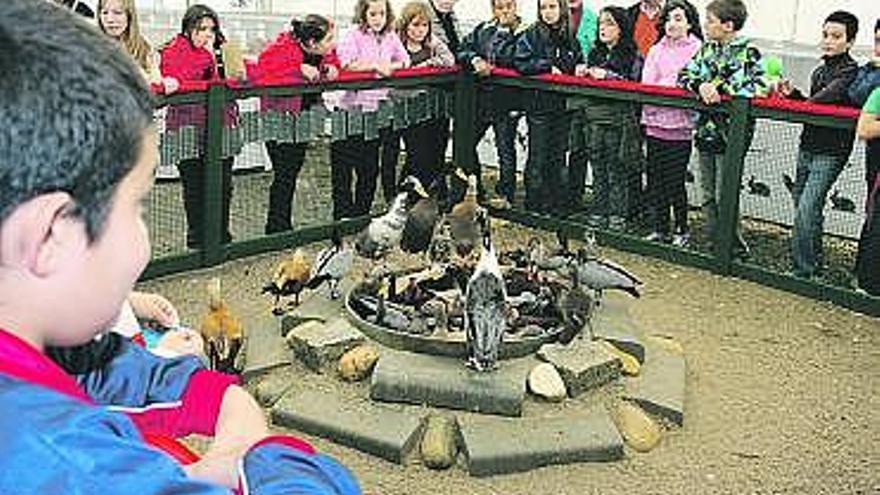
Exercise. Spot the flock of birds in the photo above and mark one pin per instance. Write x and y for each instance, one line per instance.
(468, 285)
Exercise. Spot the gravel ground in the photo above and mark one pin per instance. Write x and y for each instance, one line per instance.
(781, 392)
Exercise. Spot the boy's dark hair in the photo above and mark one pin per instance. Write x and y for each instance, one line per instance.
(360, 14)
(733, 11)
(690, 12)
(73, 111)
(313, 28)
(849, 21)
(194, 15)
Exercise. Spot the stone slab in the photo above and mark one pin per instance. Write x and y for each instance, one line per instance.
(502, 445)
(446, 382)
(660, 387)
(376, 429)
(267, 389)
(265, 348)
(320, 345)
(582, 364)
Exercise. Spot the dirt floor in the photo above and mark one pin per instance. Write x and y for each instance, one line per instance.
(781, 392)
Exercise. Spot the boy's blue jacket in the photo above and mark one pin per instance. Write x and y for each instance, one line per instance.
(60, 436)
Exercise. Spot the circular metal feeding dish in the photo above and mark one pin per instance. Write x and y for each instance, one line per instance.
(440, 341)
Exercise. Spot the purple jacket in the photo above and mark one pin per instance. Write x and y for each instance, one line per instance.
(662, 65)
(358, 45)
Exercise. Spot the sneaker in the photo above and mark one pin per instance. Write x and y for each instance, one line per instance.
(499, 203)
(617, 224)
(681, 239)
(655, 237)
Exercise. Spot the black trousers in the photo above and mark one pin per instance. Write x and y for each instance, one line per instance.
(667, 171)
(353, 159)
(425, 154)
(192, 178)
(287, 160)
(389, 143)
(545, 172)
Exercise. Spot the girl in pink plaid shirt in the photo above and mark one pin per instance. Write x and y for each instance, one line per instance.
(669, 130)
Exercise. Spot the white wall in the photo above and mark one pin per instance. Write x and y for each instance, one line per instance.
(776, 20)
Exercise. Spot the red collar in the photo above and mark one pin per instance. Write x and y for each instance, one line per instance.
(21, 360)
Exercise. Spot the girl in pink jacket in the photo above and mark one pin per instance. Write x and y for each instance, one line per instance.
(370, 46)
(668, 129)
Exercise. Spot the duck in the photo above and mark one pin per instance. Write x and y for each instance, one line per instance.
(331, 265)
(421, 221)
(485, 315)
(576, 306)
(463, 224)
(758, 188)
(384, 233)
(842, 203)
(290, 278)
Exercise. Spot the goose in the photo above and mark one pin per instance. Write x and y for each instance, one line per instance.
(485, 315)
(383, 233)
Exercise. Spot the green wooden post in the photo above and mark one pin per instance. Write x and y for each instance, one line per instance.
(731, 178)
(464, 122)
(213, 206)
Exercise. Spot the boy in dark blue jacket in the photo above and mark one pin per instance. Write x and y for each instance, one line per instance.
(77, 161)
(492, 44)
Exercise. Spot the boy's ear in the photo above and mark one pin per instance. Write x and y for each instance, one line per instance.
(40, 234)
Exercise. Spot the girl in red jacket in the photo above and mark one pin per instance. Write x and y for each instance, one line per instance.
(305, 53)
(195, 55)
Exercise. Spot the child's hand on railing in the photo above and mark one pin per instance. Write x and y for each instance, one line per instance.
(170, 85)
(555, 70)
(597, 73)
(310, 72)
(330, 72)
(384, 69)
(481, 66)
(709, 93)
(581, 70)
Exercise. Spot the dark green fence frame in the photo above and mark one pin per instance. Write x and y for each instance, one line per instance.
(529, 90)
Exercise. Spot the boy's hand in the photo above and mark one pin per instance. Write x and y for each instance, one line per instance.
(481, 67)
(709, 94)
(597, 73)
(310, 72)
(555, 70)
(149, 306)
(784, 87)
(581, 70)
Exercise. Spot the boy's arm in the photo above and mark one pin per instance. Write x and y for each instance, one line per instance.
(468, 49)
(749, 81)
(526, 59)
(696, 72)
(866, 80)
(836, 91)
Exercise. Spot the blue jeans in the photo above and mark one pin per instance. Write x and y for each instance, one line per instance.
(816, 173)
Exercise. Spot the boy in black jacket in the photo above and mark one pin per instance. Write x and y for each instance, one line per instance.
(492, 43)
(823, 152)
